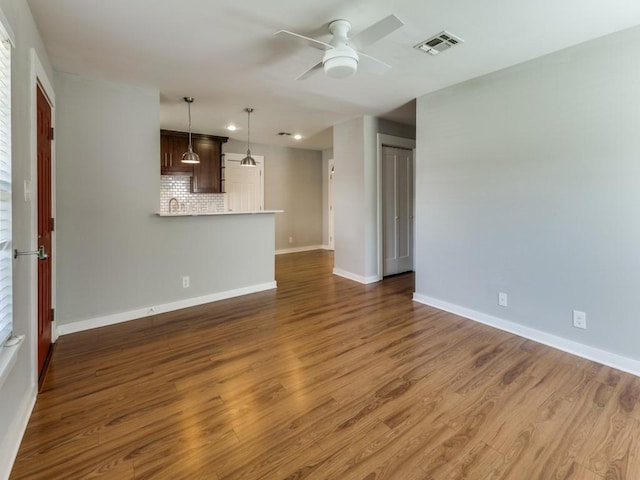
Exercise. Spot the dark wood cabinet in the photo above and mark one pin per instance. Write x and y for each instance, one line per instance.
(206, 176)
(172, 146)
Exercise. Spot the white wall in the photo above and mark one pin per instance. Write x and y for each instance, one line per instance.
(18, 391)
(348, 197)
(114, 254)
(293, 183)
(528, 182)
(356, 194)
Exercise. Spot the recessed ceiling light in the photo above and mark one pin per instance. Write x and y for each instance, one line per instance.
(297, 136)
(232, 128)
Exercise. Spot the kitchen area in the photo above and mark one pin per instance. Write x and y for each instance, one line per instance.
(120, 254)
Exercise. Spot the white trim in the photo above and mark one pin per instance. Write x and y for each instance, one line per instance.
(331, 219)
(15, 432)
(39, 77)
(327, 247)
(308, 248)
(604, 357)
(8, 355)
(399, 142)
(356, 278)
(98, 322)
(7, 26)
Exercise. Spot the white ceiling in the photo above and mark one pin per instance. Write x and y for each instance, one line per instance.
(225, 55)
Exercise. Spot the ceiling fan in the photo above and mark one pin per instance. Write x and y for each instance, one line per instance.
(342, 55)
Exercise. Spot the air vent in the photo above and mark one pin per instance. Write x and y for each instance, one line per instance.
(284, 134)
(439, 43)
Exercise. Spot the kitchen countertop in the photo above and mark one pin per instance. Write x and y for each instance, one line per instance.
(213, 214)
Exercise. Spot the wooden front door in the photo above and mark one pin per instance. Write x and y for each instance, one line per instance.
(45, 227)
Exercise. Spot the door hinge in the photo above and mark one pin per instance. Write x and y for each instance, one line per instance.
(53, 314)
(51, 133)
(53, 224)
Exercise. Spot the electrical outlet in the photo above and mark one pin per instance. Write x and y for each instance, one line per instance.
(290, 239)
(502, 299)
(185, 282)
(579, 319)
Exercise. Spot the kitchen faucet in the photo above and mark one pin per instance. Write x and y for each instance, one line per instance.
(174, 199)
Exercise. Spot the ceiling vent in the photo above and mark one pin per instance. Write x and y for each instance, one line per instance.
(284, 134)
(439, 43)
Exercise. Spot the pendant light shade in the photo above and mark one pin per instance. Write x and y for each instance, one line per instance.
(190, 156)
(248, 161)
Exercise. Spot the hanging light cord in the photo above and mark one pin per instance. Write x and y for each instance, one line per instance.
(249, 132)
(190, 145)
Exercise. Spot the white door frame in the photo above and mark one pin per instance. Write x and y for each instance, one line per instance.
(399, 142)
(331, 227)
(237, 157)
(39, 78)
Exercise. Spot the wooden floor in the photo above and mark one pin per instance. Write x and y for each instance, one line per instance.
(326, 379)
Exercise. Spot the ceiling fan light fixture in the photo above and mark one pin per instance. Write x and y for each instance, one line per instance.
(343, 54)
(190, 156)
(340, 62)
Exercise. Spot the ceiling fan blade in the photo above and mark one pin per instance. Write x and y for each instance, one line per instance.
(310, 71)
(311, 42)
(375, 32)
(372, 65)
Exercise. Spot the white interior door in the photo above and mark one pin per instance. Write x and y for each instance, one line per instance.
(244, 185)
(397, 210)
(331, 226)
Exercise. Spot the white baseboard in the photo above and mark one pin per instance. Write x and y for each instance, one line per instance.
(604, 357)
(354, 277)
(14, 434)
(97, 322)
(308, 248)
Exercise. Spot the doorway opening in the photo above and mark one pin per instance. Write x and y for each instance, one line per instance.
(330, 213)
(45, 222)
(396, 193)
(244, 185)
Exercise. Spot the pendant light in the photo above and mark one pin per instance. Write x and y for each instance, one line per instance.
(190, 156)
(248, 161)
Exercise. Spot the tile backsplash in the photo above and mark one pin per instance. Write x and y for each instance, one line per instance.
(179, 187)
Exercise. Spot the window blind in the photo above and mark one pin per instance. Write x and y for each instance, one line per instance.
(6, 254)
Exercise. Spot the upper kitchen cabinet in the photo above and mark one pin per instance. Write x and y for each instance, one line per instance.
(206, 176)
(172, 146)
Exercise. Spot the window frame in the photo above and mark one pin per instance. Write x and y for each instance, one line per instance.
(6, 242)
